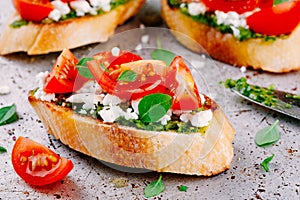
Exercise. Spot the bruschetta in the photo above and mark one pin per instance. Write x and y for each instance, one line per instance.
(145, 114)
(40, 27)
(254, 34)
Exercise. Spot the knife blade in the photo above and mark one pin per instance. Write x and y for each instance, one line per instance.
(280, 101)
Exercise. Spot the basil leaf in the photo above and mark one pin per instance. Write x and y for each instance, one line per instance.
(154, 188)
(8, 115)
(2, 150)
(268, 135)
(154, 106)
(18, 23)
(279, 1)
(163, 55)
(265, 163)
(182, 188)
(83, 69)
(128, 76)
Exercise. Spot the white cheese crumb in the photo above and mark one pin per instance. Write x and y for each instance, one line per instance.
(111, 100)
(81, 7)
(199, 119)
(243, 69)
(145, 39)
(115, 51)
(167, 117)
(231, 18)
(138, 47)
(111, 113)
(196, 8)
(4, 89)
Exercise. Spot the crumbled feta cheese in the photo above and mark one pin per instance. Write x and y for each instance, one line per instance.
(111, 100)
(4, 89)
(102, 4)
(54, 15)
(138, 47)
(167, 117)
(40, 94)
(82, 7)
(115, 51)
(199, 119)
(145, 39)
(60, 9)
(236, 32)
(135, 106)
(243, 69)
(111, 113)
(231, 18)
(196, 8)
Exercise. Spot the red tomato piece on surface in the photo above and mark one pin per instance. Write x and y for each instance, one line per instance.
(33, 10)
(64, 77)
(37, 164)
(186, 95)
(280, 19)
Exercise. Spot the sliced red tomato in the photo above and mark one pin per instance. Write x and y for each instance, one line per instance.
(239, 6)
(280, 19)
(186, 95)
(33, 10)
(64, 76)
(37, 164)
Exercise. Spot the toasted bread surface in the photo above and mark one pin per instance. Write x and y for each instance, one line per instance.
(38, 38)
(194, 154)
(281, 55)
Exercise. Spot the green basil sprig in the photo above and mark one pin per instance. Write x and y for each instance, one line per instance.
(128, 76)
(8, 114)
(154, 188)
(163, 55)
(182, 188)
(265, 163)
(2, 150)
(267, 136)
(154, 106)
(83, 69)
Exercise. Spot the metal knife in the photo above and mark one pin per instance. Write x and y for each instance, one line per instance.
(285, 103)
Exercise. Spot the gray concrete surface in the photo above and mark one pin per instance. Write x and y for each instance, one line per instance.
(91, 179)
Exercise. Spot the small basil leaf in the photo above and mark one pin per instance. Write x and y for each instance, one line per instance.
(128, 76)
(154, 188)
(83, 69)
(182, 188)
(8, 115)
(265, 163)
(268, 135)
(2, 150)
(18, 23)
(154, 106)
(163, 55)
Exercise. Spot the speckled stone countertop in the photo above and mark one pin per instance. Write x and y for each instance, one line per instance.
(91, 179)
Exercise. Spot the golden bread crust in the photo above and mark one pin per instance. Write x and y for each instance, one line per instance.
(194, 154)
(277, 56)
(36, 38)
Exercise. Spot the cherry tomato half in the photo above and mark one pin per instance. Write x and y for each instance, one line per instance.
(239, 6)
(64, 76)
(33, 10)
(280, 19)
(186, 95)
(37, 164)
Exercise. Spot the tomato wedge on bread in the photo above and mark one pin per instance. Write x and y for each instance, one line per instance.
(37, 164)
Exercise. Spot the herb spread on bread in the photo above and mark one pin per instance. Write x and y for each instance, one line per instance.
(120, 87)
(249, 21)
(49, 11)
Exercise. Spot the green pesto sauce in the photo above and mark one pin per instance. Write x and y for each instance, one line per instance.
(114, 4)
(262, 95)
(210, 19)
(174, 125)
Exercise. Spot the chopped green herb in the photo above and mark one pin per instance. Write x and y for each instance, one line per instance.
(8, 115)
(182, 188)
(18, 23)
(268, 135)
(2, 150)
(154, 106)
(128, 76)
(154, 188)
(290, 96)
(163, 55)
(265, 163)
(83, 68)
(279, 1)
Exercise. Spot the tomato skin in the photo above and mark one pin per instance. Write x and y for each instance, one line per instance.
(41, 9)
(280, 19)
(186, 95)
(64, 77)
(239, 6)
(27, 157)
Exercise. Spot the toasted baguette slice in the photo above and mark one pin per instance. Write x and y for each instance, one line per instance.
(277, 56)
(194, 154)
(37, 38)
